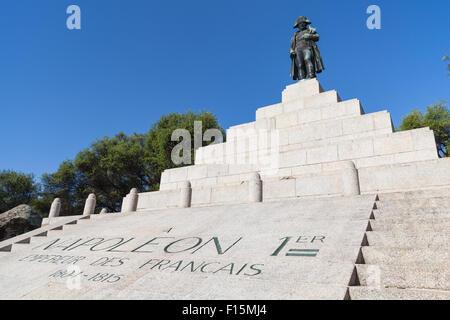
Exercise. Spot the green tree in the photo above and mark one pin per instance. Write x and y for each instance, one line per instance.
(16, 188)
(436, 118)
(111, 167)
(66, 183)
(158, 140)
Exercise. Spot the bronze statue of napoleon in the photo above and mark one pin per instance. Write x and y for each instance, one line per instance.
(306, 60)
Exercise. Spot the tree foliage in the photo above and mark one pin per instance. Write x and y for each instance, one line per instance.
(158, 140)
(111, 167)
(16, 188)
(437, 118)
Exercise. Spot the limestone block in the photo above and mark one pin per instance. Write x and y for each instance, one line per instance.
(355, 149)
(434, 202)
(414, 156)
(375, 161)
(301, 90)
(408, 239)
(178, 174)
(201, 196)
(308, 115)
(168, 186)
(353, 106)
(292, 158)
(279, 188)
(329, 128)
(324, 184)
(230, 179)
(399, 215)
(370, 293)
(124, 203)
(404, 256)
(300, 134)
(205, 182)
(322, 99)
(395, 143)
(358, 124)
(293, 106)
(165, 177)
(322, 154)
(433, 172)
(269, 111)
(342, 109)
(423, 277)
(240, 168)
(159, 199)
(417, 194)
(408, 176)
(306, 169)
(286, 120)
(423, 139)
(216, 170)
(236, 193)
(197, 172)
(241, 130)
(383, 120)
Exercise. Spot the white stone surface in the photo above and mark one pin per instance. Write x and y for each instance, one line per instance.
(221, 252)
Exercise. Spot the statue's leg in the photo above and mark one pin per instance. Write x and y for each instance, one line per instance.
(300, 61)
(309, 63)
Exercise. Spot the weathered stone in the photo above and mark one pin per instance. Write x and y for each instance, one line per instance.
(363, 293)
(425, 276)
(247, 249)
(17, 221)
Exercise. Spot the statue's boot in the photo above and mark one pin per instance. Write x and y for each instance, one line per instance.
(301, 74)
(311, 71)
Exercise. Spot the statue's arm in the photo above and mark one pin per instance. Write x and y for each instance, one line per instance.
(292, 48)
(314, 36)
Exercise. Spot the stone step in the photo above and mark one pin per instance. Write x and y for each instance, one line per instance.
(408, 239)
(435, 202)
(418, 194)
(405, 256)
(429, 276)
(413, 225)
(424, 219)
(365, 293)
(405, 213)
(19, 247)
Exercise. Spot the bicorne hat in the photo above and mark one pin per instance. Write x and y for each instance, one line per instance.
(300, 20)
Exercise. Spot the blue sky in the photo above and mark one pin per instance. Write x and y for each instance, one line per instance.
(134, 61)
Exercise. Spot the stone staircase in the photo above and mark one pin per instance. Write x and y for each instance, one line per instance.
(406, 253)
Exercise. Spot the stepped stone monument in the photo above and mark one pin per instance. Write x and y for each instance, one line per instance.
(313, 200)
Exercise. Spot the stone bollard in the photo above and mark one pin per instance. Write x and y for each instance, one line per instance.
(104, 211)
(55, 208)
(185, 194)
(89, 206)
(131, 201)
(255, 188)
(350, 180)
